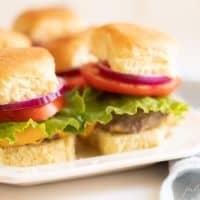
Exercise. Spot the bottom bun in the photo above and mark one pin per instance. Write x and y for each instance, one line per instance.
(109, 143)
(52, 151)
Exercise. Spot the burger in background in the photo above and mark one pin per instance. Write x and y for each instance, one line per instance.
(70, 54)
(44, 24)
(13, 39)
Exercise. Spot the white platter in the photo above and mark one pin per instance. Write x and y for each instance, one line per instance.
(184, 142)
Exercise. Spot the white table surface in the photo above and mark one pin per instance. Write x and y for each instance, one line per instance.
(141, 184)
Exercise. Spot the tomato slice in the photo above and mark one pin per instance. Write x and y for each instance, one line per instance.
(73, 78)
(74, 81)
(37, 114)
(93, 78)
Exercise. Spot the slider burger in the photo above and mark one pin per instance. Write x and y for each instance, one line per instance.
(12, 39)
(44, 24)
(128, 106)
(32, 129)
(70, 53)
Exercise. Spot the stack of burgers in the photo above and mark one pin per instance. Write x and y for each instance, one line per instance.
(108, 86)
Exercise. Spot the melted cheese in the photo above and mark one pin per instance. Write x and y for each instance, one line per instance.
(28, 136)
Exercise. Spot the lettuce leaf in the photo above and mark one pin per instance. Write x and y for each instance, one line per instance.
(90, 107)
(96, 106)
(50, 127)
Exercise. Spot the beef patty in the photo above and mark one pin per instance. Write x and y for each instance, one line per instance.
(133, 123)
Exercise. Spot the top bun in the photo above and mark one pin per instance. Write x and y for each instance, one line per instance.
(26, 73)
(130, 48)
(71, 51)
(13, 39)
(45, 24)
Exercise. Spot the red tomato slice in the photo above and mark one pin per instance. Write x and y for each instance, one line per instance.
(74, 81)
(37, 114)
(93, 78)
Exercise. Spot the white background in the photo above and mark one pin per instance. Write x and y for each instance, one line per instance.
(178, 17)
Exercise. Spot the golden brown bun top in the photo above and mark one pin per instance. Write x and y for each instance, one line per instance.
(128, 48)
(13, 39)
(26, 73)
(44, 24)
(131, 48)
(136, 35)
(71, 51)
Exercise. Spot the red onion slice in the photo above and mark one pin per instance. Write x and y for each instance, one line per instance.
(130, 78)
(36, 102)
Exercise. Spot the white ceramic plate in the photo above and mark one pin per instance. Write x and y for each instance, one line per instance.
(183, 143)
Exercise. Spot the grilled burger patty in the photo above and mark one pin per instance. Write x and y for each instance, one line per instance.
(133, 123)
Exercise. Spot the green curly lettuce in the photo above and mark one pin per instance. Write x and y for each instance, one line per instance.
(50, 127)
(96, 106)
(90, 107)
